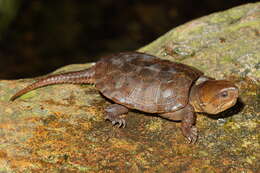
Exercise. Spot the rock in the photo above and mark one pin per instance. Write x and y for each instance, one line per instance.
(61, 127)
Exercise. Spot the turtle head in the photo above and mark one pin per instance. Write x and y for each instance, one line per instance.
(214, 96)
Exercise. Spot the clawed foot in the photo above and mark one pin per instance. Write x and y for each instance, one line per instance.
(191, 134)
(116, 120)
(113, 113)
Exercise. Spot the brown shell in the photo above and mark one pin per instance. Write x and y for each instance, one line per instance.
(144, 82)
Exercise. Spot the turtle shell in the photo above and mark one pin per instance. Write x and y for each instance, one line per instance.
(145, 82)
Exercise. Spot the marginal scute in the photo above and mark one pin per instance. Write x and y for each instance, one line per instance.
(144, 82)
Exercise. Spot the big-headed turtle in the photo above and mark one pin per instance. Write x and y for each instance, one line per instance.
(143, 82)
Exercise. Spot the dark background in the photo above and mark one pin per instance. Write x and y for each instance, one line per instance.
(47, 34)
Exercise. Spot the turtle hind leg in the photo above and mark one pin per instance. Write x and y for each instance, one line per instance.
(113, 113)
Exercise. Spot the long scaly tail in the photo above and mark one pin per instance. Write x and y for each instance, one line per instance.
(76, 77)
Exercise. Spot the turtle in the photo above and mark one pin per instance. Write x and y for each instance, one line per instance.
(143, 82)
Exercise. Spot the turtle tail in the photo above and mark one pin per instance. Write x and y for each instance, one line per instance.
(76, 77)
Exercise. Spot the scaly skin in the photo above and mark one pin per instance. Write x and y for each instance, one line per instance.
(76, 77)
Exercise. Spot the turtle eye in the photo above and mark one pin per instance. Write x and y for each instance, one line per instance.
(224, 94)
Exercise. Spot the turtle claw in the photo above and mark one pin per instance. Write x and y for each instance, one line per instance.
(113, 113)
(120, 121)
(191, 134)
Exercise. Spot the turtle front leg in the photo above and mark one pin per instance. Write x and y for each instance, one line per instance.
(113, 113)
(188, 118)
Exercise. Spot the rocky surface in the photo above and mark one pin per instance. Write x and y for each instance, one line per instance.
(61, 128)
